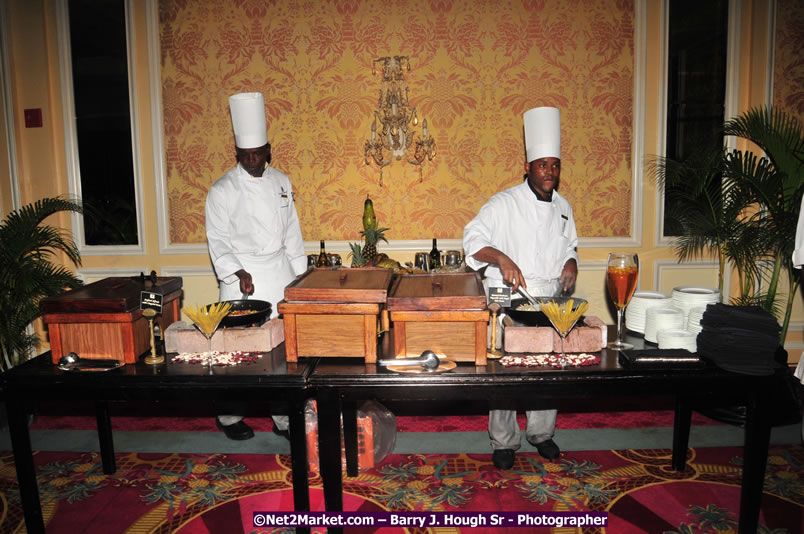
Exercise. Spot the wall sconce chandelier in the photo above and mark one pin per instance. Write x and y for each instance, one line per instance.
(395, 135)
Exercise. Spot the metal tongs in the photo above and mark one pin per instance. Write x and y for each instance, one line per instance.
(528, 296)
(428, 361)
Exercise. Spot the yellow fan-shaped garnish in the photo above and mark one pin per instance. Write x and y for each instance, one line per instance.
(563, 316)
(207, 318)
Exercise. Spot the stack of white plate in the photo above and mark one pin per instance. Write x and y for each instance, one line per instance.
(687, 297)
(636, 311)
(662, 318)
(674, 338)
(694, 319)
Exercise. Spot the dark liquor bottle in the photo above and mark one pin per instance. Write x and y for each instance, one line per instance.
(323, 259)
(435, 256)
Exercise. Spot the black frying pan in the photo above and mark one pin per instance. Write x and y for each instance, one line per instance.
(533, 318)
(259, 310)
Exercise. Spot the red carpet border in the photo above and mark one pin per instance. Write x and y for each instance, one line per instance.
(211, 494)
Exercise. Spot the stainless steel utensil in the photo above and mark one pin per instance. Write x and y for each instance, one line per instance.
(428, 360)
(72, 362)
(528, 296)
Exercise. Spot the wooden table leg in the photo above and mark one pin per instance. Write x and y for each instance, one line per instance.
(350, 437)
(23, 462)
(298, 459)
(329, 449)
(757, 440)
(105, 438)
(681, 433)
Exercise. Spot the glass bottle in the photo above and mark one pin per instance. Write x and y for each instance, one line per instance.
(323, 258)
(435, 256)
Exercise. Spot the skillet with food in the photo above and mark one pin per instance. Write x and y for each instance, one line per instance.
(534, 317)
(247, 312)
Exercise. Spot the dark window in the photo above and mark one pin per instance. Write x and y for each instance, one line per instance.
(103, 121)
(696, 78)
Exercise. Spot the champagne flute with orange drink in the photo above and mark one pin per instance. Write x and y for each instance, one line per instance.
(622, 272)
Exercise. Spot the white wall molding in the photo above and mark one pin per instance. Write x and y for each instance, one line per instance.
(661, 123)
(8, 108)
(638, 129)
(187, 271)
(85, 274)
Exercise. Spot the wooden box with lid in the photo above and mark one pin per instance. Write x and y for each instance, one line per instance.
(103, 320)
(334, 312)
(445, 313)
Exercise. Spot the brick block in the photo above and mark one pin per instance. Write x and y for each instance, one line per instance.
(528, 339)
(539, 339)
(181, 337)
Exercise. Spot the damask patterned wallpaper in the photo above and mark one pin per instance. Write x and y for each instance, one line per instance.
(476, 67)
(788, 76)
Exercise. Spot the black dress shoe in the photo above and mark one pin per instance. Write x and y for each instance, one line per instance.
(238, 431)
(503, 458)
(281, 433)
(548, 449)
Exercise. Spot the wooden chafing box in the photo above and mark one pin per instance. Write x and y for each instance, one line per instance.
(103, 320)
(334, 312)
(445, 313)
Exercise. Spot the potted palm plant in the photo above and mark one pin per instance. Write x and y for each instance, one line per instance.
(28, 252)
(742, 208)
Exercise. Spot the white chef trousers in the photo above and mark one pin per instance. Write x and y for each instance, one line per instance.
(506, 434)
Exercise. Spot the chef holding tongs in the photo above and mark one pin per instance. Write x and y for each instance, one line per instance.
(253, 232)
(525, 237)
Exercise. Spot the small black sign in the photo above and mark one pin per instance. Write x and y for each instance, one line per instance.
(151, 300)
(500, 295)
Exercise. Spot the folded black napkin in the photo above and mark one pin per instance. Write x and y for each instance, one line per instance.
(740, 339)
(660, 359)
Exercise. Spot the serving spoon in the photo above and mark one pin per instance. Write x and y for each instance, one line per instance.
(428, 360)
(72, 361)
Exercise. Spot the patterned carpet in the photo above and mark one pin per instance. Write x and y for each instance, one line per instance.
(215, 494)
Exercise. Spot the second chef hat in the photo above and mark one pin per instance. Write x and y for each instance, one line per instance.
(248, 120)
(542, 133)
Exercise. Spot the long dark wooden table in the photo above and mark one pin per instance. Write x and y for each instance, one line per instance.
(269, 379)
(340, 383)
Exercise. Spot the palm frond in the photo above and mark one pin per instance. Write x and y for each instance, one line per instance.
(28, 252)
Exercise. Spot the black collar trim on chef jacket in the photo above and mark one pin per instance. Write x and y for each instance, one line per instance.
(538, 196)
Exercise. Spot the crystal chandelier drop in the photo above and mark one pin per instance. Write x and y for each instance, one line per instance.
(392, 132)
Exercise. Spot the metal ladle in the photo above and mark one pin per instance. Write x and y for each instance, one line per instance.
(428, 361)
(72, 361)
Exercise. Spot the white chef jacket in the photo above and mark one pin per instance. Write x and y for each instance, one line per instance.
(252, 224)
(798, 253)
(540, 237)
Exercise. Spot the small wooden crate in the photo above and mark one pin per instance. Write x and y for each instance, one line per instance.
(445, 313)
(334, 312)
(102, 320)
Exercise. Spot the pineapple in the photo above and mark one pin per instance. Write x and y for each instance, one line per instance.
(372, 236)
(357, 255)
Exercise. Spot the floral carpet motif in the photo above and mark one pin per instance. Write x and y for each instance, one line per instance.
(208, 494)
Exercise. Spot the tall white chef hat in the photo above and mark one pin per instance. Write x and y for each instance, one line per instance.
(248, 119)
(542, 133)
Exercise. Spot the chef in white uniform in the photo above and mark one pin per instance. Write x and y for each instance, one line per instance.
(526, 236)
(253, 231)
(798, 263)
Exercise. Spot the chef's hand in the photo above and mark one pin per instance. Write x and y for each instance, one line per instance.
(510, 270)
(246, 285)
(511, 273)
(568, 275)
